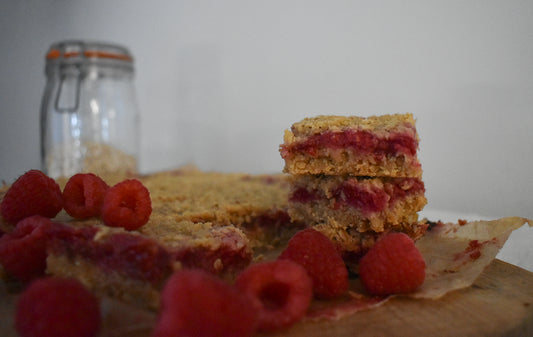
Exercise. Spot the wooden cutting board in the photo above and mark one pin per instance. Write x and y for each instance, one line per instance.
(500, 303)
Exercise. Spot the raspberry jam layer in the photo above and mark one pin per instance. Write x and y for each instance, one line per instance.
(134, 256)
(142, 258)
(360, 141)
(367, 198)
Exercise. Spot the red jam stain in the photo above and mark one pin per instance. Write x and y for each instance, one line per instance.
(360, 141)
(473, 250)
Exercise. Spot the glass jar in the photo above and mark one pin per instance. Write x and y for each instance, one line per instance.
(89, 114)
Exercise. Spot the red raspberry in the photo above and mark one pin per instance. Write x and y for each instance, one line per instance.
(318, 255)
(33, 193)
(281, 291)
(127, 205)
(54, 306)
(23, 251)
(84, 195)
(195, 303)
(392, 266)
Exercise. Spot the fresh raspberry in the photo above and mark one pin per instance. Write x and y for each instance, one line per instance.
(84, 195)
(127, 205)
(54, 306)
(23, 251)
(281, 291)
(33, 193)
(318, 255)
(195, 303)
(392, 266)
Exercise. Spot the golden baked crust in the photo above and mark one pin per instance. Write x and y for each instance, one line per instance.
(378, 124)
(221, 198)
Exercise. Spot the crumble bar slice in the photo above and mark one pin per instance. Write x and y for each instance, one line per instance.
(363, 203)
(384, 145)
(134, 265)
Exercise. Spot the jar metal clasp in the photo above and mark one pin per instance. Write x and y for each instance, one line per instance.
(68, 93)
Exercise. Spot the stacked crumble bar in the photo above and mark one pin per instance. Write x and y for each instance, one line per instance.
(355, 178)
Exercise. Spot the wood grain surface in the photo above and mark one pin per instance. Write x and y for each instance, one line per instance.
(500, 303)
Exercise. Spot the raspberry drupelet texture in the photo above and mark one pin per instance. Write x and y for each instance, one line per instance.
(392, 266)
(127, 204)
(83, 195)
(281, 291)
(195, 303)
(54, 306)
(23, 251)
(33, 193)
(318, 255)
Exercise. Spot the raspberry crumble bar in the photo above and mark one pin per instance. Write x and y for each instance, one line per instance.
(134, 265)
(336, 145)
(365, 203)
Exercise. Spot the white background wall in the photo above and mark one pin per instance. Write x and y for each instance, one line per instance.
(219, 81)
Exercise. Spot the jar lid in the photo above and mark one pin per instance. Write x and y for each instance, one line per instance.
(86, 52)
